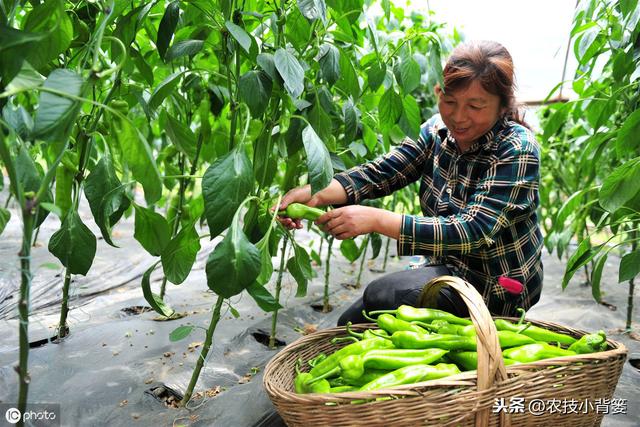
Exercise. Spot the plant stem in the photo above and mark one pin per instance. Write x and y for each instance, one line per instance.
(177, 218)
(215, 317)
(274, 318)
(363, 256)
(327, 271)
(386, 254)
(64, 309)
(23, 308)
(634, 246)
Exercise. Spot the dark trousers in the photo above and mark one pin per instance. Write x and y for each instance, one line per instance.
(403, 287)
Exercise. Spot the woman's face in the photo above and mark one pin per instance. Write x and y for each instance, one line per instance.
(469, 113)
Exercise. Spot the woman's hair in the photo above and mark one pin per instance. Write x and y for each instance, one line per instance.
(490, 64)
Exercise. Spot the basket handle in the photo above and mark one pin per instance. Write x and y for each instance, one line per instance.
(491, 366)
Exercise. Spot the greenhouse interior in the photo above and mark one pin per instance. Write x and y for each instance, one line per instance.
(270, 213)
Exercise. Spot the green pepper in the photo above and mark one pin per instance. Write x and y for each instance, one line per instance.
(410, 314)
(412, 374)
(534, 352)
(535, 332)
(590, 343)
(408, 339)
(367, 334)
(391, 323)
(444, 327)
(330, 365)
(368, 376)
(300, 211)
(468, 360)
(306, 383)
(353, 366)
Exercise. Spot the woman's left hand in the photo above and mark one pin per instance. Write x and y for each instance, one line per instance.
(350, 221)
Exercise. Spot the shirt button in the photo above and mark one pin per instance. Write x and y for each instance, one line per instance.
(448, 190)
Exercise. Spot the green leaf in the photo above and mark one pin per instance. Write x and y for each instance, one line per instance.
(181, 136)
(299, 265)
(628, 141)
(74, 244)
(376, 244)
(581, 256)
(329, 60)
(56, 114)
(225, 184)
(26, 79)
(351, 119)
(620, 186)
(263, 298)
(376, 75)
(390, 108)
(5, 216)
(13, 44)
(143, 67)
(181, 332)
(410, 119)
(596, 276)
(164, 89)
(318, 160)
(319, 119)
(49, 17)
(348, 81)
(234, 264)
(266, 269)
(57, 211)
(240, 35)
(180, 253)
(435, 63)
(588, 44)
(183, 48)
(167, 27)
(137, 154)
(152, 230)
(629, 266)
(255, 91)
(569, 207)
(350, 250)
(266, 61)
(154, 300)
(106, 195)
(409, 75)
(313, 9)
(64, 185)
(291, 72)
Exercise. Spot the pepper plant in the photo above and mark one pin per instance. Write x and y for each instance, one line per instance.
(595, 197)
(181, 114)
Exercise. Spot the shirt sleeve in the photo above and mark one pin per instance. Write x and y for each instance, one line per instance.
(390, 172)
(507, 194)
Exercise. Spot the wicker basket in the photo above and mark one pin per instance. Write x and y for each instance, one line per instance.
(571, 388)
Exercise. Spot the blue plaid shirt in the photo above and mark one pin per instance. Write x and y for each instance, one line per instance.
(479, 207)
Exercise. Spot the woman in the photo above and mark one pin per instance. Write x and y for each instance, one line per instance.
(478, 166)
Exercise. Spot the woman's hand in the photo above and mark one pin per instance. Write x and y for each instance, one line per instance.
(295, 195)
(351, 221)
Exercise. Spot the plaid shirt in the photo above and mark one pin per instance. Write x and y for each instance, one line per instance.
(479, 207)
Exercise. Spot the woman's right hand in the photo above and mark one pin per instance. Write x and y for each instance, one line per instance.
(295, 195)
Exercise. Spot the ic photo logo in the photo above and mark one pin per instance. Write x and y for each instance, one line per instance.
(12, 415)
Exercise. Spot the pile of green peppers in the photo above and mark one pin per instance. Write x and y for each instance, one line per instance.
(412, 345)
